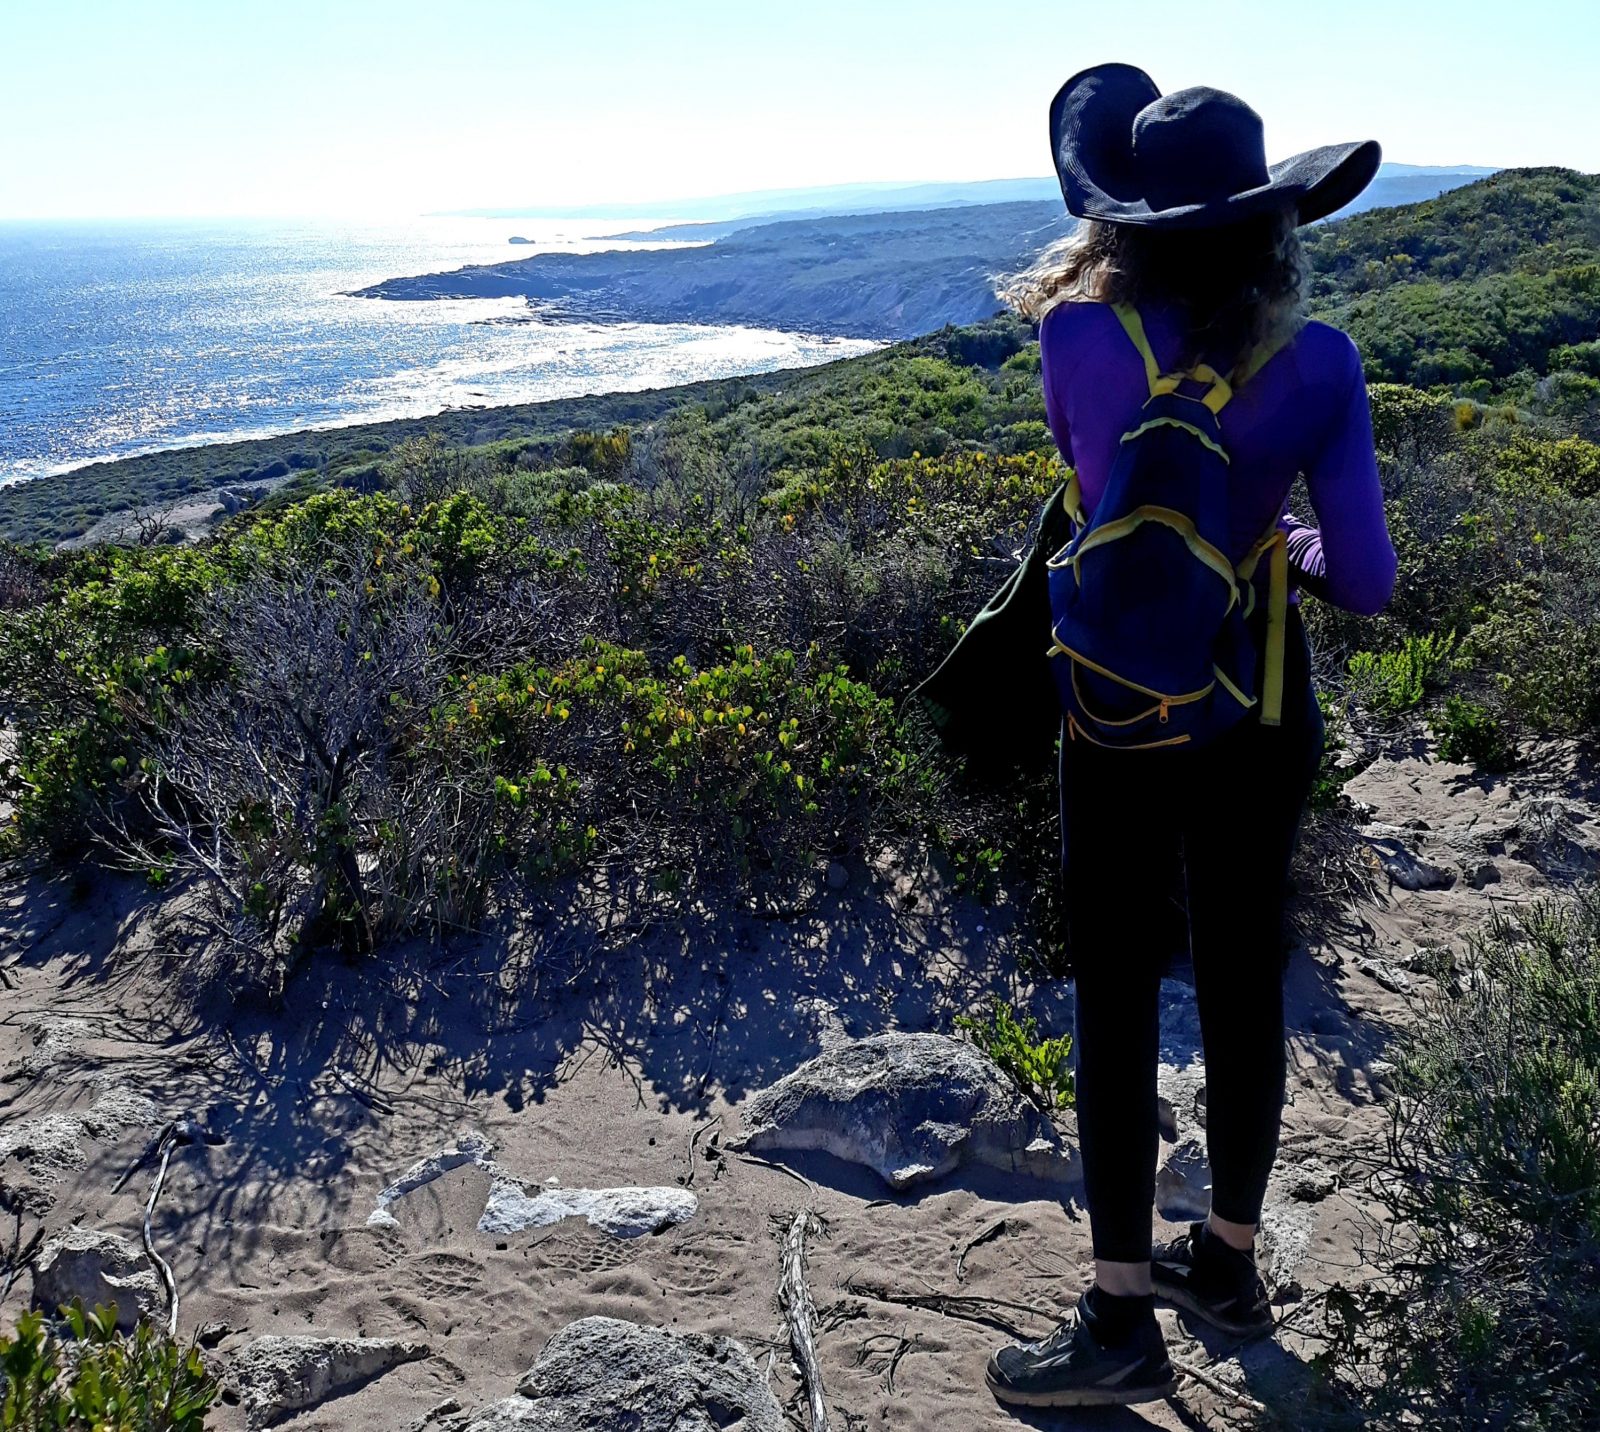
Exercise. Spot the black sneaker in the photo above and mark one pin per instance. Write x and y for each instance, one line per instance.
(1071, 1368)
(1198, 1272)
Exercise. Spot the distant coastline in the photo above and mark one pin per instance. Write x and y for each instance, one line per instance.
(881, 275)
(873, 276)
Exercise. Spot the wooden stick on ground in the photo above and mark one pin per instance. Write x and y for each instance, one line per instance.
(1217, 1385)
(794, 1298)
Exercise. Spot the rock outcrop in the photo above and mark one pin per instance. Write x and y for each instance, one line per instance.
(97, 1268)
(601, 1374)
(275, 1377)
(911, 1107)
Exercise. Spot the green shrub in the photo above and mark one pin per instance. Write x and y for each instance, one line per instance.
(1040, 1068)
(1487, 1312)
(1469, 735)
(1537, 465)
(1547, 663)
(100, 1380)
(1391, 683)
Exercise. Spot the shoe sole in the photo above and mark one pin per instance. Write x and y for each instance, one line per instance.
(1082, 1396)
(1179, 1298)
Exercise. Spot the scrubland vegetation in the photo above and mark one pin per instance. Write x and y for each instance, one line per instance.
(1487, 1310)
(656, 659)
(85, 1376)
(625, 667)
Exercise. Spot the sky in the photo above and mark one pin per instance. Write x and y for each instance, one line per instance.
(112, 108)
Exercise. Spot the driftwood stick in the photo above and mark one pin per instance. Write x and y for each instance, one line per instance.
(1217, 1385)
(167, 1142)
(994, 1230)
(989, 1312)
(794, 1297)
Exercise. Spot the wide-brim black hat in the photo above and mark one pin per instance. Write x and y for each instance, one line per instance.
(1196, 158)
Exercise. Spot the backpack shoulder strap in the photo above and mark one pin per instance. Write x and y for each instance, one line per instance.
(1218, 390)
(1133, 325)
(1260, 354)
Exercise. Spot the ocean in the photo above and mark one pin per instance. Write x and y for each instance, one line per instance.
(130, 337)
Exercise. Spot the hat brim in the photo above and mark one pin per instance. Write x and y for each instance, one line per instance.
(1091, 137)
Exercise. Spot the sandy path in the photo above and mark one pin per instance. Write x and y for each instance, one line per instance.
(606, 1082)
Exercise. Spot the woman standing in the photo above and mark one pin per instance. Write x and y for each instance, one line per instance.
(1188, 256)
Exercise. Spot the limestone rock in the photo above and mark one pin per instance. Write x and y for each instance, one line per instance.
(1311, 1183)
(911, 1107)
(1403, 865)
(1183, 1183)
(97, 1268)
(623, 1212)
(626, 1212)
(51, 1146)
(278, 1376)
(600, 1374)
(1386, 974)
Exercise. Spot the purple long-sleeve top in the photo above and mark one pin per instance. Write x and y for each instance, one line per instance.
(1305, 412)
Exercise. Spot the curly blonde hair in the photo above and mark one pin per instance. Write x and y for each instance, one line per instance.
(1235, 285)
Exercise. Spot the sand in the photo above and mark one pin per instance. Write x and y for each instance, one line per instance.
(604, 1075)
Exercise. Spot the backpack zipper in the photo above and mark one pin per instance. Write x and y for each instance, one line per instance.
(1074, 730)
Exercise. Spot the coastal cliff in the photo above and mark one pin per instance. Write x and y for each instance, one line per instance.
(858, 276)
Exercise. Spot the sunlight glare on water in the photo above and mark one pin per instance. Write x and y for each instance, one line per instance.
(127, 337)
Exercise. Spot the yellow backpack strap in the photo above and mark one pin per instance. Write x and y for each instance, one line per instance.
(1277, 627)
(1219, 391)
(1275, 548)
(1134, 325)
(1072, 499)
(1259, 356)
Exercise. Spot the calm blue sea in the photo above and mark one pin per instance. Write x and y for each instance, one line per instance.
(130, 337)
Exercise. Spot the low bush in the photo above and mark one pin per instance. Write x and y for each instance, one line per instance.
(1391, 683)
(1486, 1312)
(1469, 734)
(98, 1380)
(1040, 1067)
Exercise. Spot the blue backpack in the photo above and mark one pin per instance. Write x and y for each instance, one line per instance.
(1150, 634)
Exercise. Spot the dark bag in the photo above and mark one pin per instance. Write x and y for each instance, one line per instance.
(993, 698)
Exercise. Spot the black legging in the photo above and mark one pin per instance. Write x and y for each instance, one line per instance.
(1222, 820)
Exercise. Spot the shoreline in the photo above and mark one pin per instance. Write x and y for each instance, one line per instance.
(332, 425)
(38, 508)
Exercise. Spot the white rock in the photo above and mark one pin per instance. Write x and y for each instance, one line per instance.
(278, 1376)
(1403, 865)
(1386, 974)
(911, 1107)
(470, 1148)
(625, 1212)
(96, 1268)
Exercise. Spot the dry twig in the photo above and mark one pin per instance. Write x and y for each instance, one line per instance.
(794, 1297)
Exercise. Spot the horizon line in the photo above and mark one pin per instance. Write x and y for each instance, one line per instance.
(633, 210)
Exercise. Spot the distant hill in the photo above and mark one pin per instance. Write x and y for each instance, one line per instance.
(1395, 184)
(1480, 285)
(863, 275)
(1493, 288)
(877, 275)
(762, 204)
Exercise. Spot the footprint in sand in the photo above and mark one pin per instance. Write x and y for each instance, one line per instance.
(581, 1252)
